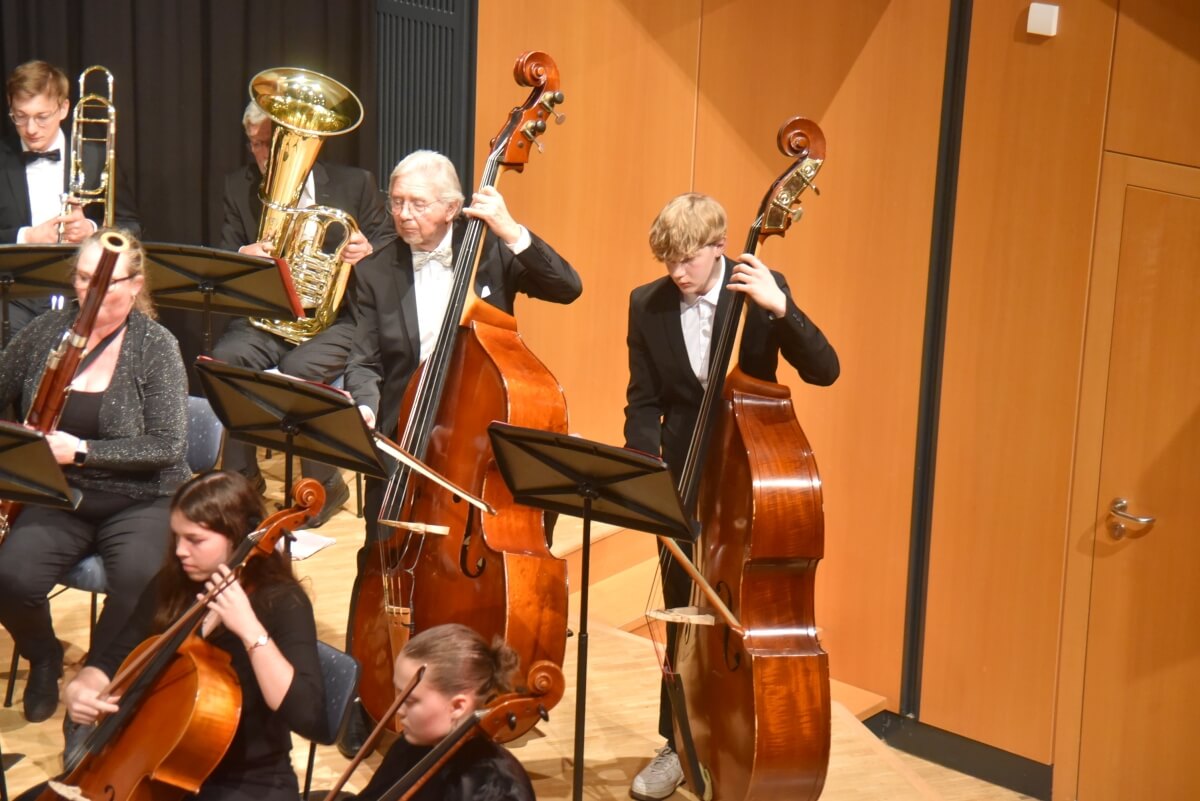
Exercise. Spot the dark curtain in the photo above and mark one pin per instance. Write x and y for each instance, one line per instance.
(182, 68)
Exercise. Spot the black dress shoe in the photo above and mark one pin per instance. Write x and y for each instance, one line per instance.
(354, 732)
(335, 496)
(41, 689)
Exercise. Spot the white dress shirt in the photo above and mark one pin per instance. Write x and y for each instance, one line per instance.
(433, 281)
(45, 180)
(696, 319)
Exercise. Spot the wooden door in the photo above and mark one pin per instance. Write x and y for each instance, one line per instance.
(1143, 638)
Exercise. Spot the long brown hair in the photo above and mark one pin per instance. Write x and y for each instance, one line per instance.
(227, 503)
(458, 660)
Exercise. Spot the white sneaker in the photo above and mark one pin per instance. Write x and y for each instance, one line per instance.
(658, 779)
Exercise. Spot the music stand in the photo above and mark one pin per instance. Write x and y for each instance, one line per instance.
(29, 475)
(581, 478)
(28, 472)
(287, 414)
(32, 271)
(214, 281)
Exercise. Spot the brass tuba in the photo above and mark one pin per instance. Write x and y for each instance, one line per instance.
(93, 121)
(304, 107)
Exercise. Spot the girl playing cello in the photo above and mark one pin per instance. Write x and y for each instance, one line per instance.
(461, 674)
(262, 619)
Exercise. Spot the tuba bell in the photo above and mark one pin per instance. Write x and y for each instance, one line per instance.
(304, 107)
(94, 122)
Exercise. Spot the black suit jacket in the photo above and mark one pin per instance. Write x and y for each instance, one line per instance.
(387, 345)
(663, 397)
(350, 189)
(16, 214)
(14, 192)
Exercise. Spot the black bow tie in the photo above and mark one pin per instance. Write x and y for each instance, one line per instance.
(30, 156)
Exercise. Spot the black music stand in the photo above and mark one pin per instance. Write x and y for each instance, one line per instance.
(287, 414)
(32, 271)
(581, 478)
(215, 281)
(29, 475)
(28, 472)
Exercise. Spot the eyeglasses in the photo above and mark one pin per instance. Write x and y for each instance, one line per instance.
(416, 208)
(40, 120)
(82, 280)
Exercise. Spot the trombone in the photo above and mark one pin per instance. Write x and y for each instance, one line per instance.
(94, 121)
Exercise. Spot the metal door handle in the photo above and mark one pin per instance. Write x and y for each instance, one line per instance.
(1117, 509)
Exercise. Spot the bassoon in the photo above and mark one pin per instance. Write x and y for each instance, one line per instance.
(63, 362)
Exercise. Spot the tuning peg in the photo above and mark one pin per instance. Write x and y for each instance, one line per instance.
(549, 101)
(531, 130)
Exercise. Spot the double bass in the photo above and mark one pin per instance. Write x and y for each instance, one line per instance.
(756, 683)
(180, 699)
(442, 561)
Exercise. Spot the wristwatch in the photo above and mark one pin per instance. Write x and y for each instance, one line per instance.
(262, 640)
(81, 452)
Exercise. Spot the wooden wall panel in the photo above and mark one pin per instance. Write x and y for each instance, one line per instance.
(629, 75)
(668, 97)
(1022, 243)
(1154, 110)
(870, 74)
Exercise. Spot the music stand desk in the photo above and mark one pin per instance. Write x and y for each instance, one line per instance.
(591, 480)
(297, 417)
(214, 281)
(32, 271)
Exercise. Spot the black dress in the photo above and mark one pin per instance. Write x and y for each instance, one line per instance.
(480, 770)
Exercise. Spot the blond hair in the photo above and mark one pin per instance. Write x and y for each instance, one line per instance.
(35, 78)
(687, 223)
(135, 258)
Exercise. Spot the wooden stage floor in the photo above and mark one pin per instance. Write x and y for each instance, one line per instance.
(621, 708)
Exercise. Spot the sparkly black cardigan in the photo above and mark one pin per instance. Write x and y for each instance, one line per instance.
(143, 415)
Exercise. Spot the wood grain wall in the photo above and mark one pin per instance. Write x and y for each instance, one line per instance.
(1028, 179)
(682, 95)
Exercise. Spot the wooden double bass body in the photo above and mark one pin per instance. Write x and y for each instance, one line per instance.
(759, 703)
(494, 573)
(757, 691)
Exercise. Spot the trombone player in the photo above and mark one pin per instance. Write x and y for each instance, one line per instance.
(323, 356)
(35, 165)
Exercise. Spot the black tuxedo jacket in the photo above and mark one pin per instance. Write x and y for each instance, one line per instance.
(14, 192)
(387, 344)
(350, 189)
(663, 397)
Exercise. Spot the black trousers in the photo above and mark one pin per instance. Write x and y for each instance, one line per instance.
(132, 537)
(677, 591)
(322, 358)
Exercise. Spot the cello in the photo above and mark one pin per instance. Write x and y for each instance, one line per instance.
(442, 561)
(756, 683)
(180, 701)
(497, 720)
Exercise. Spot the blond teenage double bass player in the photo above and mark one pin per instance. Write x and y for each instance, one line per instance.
(674, 393)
